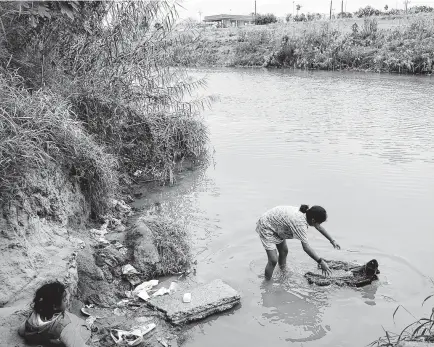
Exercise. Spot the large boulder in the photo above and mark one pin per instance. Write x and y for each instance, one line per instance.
(144, 253)
(94, 284)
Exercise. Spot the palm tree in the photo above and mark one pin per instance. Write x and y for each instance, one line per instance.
(386, 8)
(298, 7)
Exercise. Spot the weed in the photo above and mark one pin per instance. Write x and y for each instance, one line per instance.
(420, 330)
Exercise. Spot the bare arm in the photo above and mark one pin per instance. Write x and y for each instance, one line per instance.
(326, 235)
(311, 253)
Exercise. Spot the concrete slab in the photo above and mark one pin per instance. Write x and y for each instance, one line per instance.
(415, 344)
(206, 300)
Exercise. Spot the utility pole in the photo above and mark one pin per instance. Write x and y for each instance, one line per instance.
(255, 12)
(331, 4)
(342, 6)
(293, 3)
(200, 16)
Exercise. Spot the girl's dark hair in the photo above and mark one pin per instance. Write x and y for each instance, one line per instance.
(48, 298)
(315, 212)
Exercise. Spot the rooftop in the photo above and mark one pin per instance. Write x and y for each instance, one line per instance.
(219, 17)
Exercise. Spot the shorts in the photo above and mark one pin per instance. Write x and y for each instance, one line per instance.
(268, 237)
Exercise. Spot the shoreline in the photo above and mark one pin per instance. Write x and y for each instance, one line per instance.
(373, 45)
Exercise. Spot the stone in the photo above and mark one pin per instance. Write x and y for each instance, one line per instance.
(93, 285)
(145, 255)
(206, 300)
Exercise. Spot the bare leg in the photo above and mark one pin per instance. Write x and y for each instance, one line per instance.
(283, 253)
(271, 264)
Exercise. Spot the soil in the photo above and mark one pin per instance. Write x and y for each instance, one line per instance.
(46, 236)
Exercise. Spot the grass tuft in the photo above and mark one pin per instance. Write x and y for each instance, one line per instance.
(40, 127)
(420, 330)
(172, 242)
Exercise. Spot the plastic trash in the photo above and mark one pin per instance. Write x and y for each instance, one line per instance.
(129, 270)
(162, 291)
(143, 295)
(145, 286)
(131, 338)
(93, 312)
(89, 322)
(187, 298)
(163, 342)
(173, 287)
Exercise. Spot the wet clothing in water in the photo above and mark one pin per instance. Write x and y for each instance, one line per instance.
(361, 275)
(64, 328)
(280, 223)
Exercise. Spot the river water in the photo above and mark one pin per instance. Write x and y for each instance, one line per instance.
(362, 146)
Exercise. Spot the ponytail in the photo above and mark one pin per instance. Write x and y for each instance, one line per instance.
(304, 208)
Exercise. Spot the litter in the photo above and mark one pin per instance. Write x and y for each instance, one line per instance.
(93, 312)
(143, 295)
(173, 287)
(90, 321)
(162, 291)
(134, 279)
(123, 303)
(163, 342)
(186, 298)
(129, 270)
(145, 286)
(131, 338)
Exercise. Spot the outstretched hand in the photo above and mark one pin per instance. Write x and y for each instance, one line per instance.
(335, 245)
(325, 268)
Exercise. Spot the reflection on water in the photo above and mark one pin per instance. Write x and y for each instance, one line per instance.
(362, 146)
(299, 313)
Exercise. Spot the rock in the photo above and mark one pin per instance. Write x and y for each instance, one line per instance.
(144, 253)
(206, 300)
(92, 283)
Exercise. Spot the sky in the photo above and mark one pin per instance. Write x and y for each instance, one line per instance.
(281, 7)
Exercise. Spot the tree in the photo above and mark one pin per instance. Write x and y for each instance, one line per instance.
(288, 17)
(386, 7)
(298, 8)
(406, 3)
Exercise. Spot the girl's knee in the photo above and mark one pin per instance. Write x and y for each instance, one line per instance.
(272, 261)
(283, 252)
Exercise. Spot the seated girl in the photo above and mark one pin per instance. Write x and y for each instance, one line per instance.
(50, 323)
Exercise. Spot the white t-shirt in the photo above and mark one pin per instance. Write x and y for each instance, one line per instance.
(283, 222)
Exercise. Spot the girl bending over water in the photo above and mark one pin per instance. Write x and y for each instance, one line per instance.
(288, 222)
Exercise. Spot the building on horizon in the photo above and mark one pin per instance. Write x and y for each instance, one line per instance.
(230, 20)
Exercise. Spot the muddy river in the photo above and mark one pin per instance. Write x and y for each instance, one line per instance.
(362, 146)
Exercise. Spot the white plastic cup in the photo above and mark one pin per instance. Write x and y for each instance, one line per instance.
(187, 298)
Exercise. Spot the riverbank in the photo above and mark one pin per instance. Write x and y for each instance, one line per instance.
(398, 45)
(82, 123)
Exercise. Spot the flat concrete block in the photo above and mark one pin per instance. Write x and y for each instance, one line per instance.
(206, 300)
(415, 344)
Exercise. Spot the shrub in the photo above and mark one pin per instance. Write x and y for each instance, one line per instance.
(113, 77)
(345, 15)
(40, 127)
(300, 18)
(421, 9)
(172, 243)
(367, 12)
(262, 19)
